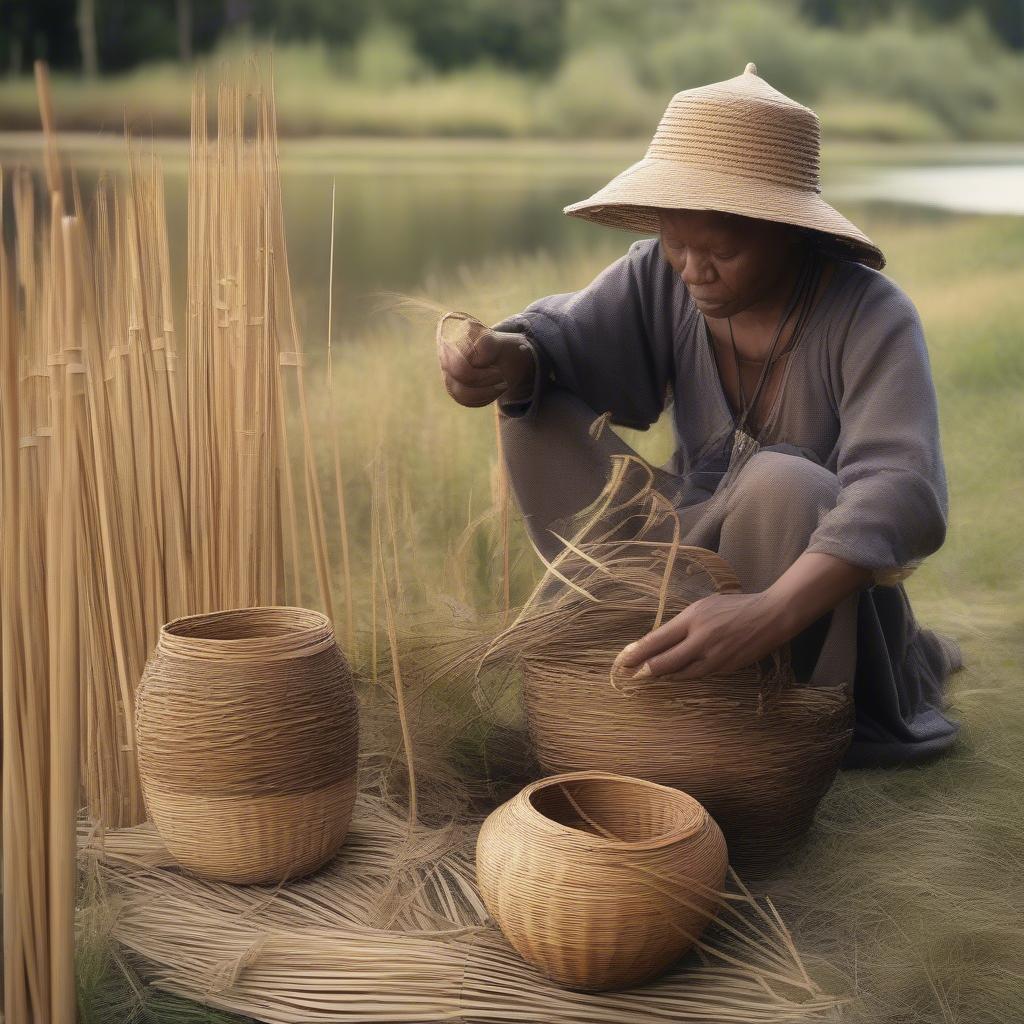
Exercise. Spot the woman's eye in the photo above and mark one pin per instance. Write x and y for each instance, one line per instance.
(725, 255)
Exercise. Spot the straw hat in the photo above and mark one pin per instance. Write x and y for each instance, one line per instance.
(737, 146)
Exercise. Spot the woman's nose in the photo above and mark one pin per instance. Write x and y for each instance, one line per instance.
(696, 270)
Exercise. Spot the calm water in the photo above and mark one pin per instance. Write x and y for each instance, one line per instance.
(407, 211)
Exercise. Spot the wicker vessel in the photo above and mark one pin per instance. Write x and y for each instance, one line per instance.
(247, 730)
(598, 880)
(759, 759)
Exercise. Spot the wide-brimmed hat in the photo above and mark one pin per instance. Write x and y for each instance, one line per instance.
(737, 146)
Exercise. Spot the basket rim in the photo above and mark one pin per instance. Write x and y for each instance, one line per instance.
(307, 632)
(224, 613)
(684, 831)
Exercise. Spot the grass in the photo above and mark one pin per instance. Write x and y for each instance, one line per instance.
(912, 880)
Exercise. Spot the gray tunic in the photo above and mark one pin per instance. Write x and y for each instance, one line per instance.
(856, 400)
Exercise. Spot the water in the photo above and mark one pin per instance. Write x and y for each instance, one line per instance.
(410, 210)
(963, 188)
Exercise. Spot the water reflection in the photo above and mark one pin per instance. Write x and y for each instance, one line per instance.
(967, 188)
(408, 210)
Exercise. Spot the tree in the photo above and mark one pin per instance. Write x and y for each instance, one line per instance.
(183, 12)
(86, 18)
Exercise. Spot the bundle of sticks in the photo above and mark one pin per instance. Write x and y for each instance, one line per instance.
(143, 478)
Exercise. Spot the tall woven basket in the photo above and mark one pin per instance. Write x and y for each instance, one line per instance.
(600, 881)
(758, 756)
(248, 732)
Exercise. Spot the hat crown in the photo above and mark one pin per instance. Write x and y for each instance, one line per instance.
(742, 126)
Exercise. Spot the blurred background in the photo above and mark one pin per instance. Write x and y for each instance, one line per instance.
(457, 129)
(875, 69)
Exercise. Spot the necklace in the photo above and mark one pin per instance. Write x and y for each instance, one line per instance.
(800, 299)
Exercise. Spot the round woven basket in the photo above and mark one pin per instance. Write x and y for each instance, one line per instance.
(598, 880)
(759, 761)
(248, 731)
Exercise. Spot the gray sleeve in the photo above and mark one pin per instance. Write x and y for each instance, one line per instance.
(893, 503)
(609, 343)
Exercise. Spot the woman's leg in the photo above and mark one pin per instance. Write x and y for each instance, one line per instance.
(770, 513)
(555, 467)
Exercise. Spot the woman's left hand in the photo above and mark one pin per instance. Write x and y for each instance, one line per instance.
(719, 633)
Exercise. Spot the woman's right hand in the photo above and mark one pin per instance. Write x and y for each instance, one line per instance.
(491, 365)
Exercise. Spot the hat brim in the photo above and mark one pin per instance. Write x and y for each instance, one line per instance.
(632, 199)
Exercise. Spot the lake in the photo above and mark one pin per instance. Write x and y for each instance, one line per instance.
(410, 210)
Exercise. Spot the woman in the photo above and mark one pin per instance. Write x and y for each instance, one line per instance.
(804, 411)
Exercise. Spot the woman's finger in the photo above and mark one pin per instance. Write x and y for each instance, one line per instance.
(684, 658)
(661, 639)
(473, 398)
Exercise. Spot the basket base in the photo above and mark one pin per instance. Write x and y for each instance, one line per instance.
(254, 839)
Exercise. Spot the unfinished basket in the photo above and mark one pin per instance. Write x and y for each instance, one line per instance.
(759, 759)
(598, 880)
(247, 730)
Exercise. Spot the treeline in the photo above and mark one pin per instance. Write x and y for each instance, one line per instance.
(116, 35)
(536, 36)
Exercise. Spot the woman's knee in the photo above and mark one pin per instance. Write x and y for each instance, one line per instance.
(786, 487)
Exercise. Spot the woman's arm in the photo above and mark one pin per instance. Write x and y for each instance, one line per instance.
(726, 632)
(891, 509)
(610, 343)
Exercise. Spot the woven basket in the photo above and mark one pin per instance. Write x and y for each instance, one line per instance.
(247, 730)
(760, 762)
(598, 880)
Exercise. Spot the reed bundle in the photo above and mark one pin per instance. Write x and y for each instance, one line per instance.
(599, 880)
(756, 749)
(394, 929)
(248, 733)
(147, 475)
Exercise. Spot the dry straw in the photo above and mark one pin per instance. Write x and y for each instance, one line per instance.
(756, 749)
(147, 474)
(599, 880)
(395, 930)
(248, 732)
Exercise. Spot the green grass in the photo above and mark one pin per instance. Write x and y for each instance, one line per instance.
(911, 884)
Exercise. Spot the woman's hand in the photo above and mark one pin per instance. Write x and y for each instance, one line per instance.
(719, 633)
(726, 632)
(491, 365)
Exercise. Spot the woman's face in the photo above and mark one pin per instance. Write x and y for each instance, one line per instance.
(728, 263)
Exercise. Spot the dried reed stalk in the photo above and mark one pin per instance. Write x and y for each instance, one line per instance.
(24, 660)
(339, 480)
(337, 947)
(132, 492)
(379, 485)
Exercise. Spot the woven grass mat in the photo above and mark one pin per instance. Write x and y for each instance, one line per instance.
(393, 929)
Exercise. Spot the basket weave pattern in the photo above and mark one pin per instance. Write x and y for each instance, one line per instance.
(760, 768)
(600, 881)
(248, 734)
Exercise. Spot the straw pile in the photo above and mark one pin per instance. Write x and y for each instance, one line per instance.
(248, 734)
(394, 929)
(601, 881)
(758, 751)
(144, 478)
